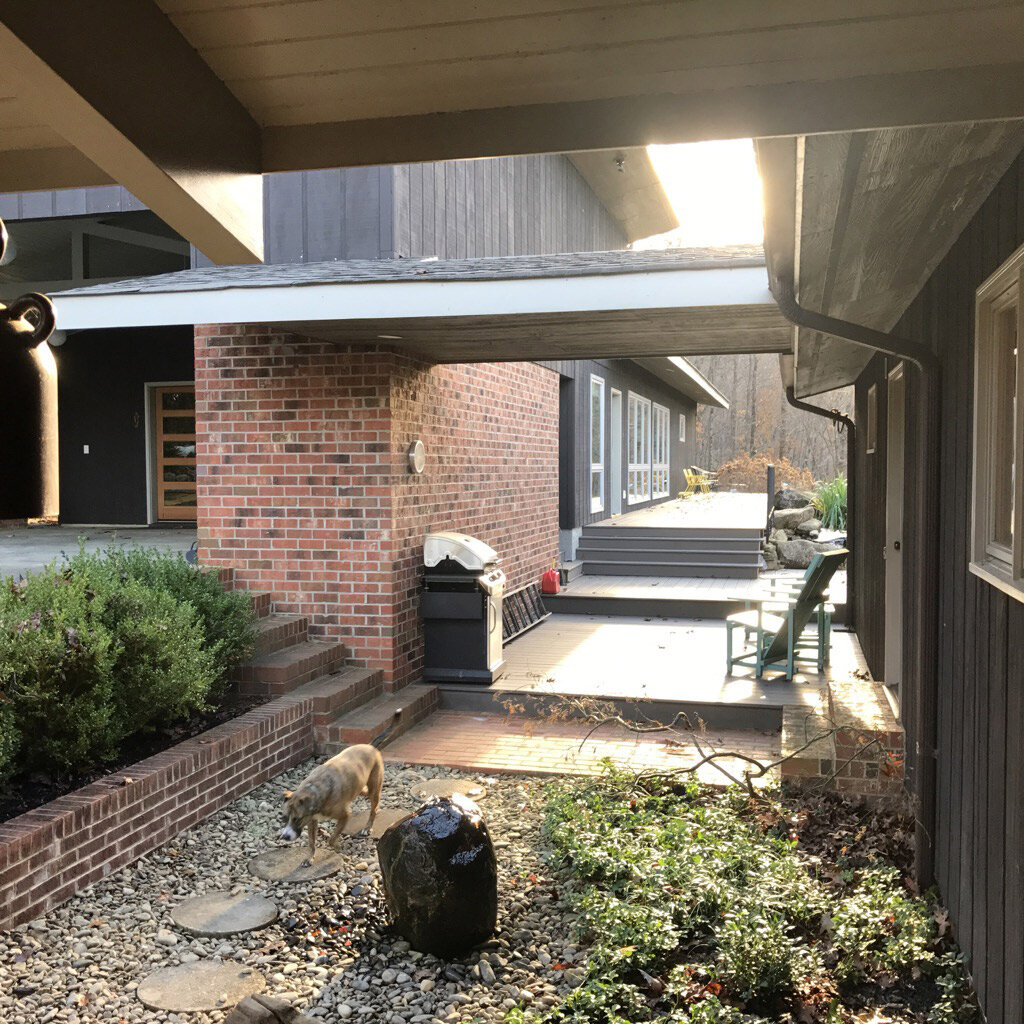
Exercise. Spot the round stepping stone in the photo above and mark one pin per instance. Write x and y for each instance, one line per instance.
(386, 817)
(288, 864)
(224, 913)
(202, 985)
(449, 788)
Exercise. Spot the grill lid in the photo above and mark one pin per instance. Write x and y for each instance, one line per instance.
(472, 554)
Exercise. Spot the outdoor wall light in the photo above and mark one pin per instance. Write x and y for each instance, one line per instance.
(417, 457)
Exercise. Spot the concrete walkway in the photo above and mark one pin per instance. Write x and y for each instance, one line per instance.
(26, 549)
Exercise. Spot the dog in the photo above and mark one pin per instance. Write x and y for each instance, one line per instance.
(328, 791)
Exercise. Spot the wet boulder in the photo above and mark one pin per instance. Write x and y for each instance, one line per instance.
(440, 877)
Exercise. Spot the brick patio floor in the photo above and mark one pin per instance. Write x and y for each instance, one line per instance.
(529, 746)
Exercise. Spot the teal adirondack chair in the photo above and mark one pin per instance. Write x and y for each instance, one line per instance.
(778, 626)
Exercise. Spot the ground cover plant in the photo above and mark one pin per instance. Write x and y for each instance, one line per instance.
(108, 647)
(707, 908)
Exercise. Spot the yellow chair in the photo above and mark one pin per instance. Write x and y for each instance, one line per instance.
(691, 485)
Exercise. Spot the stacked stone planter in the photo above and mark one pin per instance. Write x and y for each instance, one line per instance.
(793, 543)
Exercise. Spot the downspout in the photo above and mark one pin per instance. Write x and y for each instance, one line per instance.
(844, 423)
(927, 547)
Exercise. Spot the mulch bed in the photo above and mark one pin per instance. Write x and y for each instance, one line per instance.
(24, 793)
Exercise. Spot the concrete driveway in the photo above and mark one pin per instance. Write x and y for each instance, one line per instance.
(28, 548)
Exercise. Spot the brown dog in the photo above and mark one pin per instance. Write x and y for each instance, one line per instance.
(328, 791)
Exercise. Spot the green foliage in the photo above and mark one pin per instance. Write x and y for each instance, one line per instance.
(880, 929)
(106, 647)
(696, 913)
(226, 618)
(956, 1003)
(830, 503)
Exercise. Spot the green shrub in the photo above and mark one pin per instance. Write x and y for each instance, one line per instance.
(830, 503)
(226, 618)
(56, 672)
(163, 671)
(758, 958)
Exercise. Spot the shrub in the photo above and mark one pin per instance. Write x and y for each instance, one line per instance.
(56, 673)
(750, 473)
(830, 503)
(226, 618)
(758, 958)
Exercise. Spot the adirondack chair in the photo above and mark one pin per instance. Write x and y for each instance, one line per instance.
(691, 487)
(708, 478)
(778, 625)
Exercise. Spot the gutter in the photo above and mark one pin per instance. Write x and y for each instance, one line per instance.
(926, 547)
(843, 423)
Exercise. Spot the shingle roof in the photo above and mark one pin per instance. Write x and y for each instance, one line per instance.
(431, 269)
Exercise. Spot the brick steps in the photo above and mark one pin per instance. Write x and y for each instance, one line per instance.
(395, 711)
(275, 632)
(284, 670)
(342, 691)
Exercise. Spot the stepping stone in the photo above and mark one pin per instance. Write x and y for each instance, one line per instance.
(287, 864)
(449, 788)
(224, 913)
(386, 817)
(199, 986)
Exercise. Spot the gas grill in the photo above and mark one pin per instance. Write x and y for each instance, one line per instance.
(461, 608)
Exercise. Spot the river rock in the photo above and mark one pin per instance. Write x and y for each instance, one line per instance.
(797, 554)
(809, 527)
(788, 498)
(440, 877)
(266, 1010)
(791, 518)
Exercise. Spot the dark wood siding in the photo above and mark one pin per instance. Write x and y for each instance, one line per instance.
(503, 207)
(624, 376)
(979, 842)
(70, 202)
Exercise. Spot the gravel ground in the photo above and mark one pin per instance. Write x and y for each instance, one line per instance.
(330, 951)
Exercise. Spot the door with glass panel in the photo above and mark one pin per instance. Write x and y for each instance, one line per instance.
(175, 436)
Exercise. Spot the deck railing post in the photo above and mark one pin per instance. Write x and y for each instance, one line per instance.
(771, 500)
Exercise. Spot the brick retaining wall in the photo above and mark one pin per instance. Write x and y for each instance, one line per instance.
(50, 853)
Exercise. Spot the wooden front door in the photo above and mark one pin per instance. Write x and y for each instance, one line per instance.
(175, 436)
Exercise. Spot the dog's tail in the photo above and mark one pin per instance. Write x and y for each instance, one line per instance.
(379, 741)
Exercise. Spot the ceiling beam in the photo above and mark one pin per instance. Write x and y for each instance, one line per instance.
(993, 92)
(118, 81)
(36, 170)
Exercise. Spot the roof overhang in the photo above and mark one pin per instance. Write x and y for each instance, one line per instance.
(685, 378)
(859, 221)
(573, 306)
(630, 190)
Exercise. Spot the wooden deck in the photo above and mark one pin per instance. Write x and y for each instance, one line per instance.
(729, 510)
(672, 663)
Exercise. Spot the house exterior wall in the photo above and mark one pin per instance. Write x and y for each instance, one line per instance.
(101, 395)
(625, 376)
(509, 206)
(305, 491)
(979, 841)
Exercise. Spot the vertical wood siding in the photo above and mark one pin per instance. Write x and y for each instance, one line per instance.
(508, 206)
(980, 785)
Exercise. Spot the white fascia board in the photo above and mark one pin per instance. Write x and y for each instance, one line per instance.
(712, 396)
(384, 300)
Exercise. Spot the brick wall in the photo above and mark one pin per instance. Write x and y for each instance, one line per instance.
(304, 488)
(50, 853)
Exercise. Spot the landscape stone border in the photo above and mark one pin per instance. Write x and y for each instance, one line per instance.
(50, 853)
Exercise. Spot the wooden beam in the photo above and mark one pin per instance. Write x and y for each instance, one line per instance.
(38, 170)
(994, 92)
(120, 83)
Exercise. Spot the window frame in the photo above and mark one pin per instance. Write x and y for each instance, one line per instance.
(1001, 566)
(638, 443)
(597, 468)
(661, 444)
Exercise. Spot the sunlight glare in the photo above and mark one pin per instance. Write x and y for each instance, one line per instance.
(715, 191)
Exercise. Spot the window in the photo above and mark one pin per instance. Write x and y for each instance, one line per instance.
(682, 427)
(639, 488)
(660, 418)
(998, 540)
(872, 434)
(596, 444)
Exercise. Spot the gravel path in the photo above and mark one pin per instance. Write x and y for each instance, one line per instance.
(329, 952)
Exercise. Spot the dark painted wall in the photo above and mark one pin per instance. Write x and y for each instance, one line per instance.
(69, 202)
(101, 379)
(979, 840)
(503, 207)
(625, 376)
(21, 468)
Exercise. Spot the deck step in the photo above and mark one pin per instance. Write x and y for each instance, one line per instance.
(396, 712)
(274, 632)
(675, 532)
(284, 670)
(630, 556)
(598, 539)
(341, 691)
(572, 570)
(637, 567)
(570, 602)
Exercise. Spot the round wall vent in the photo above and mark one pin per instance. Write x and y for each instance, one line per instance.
(417, 457)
